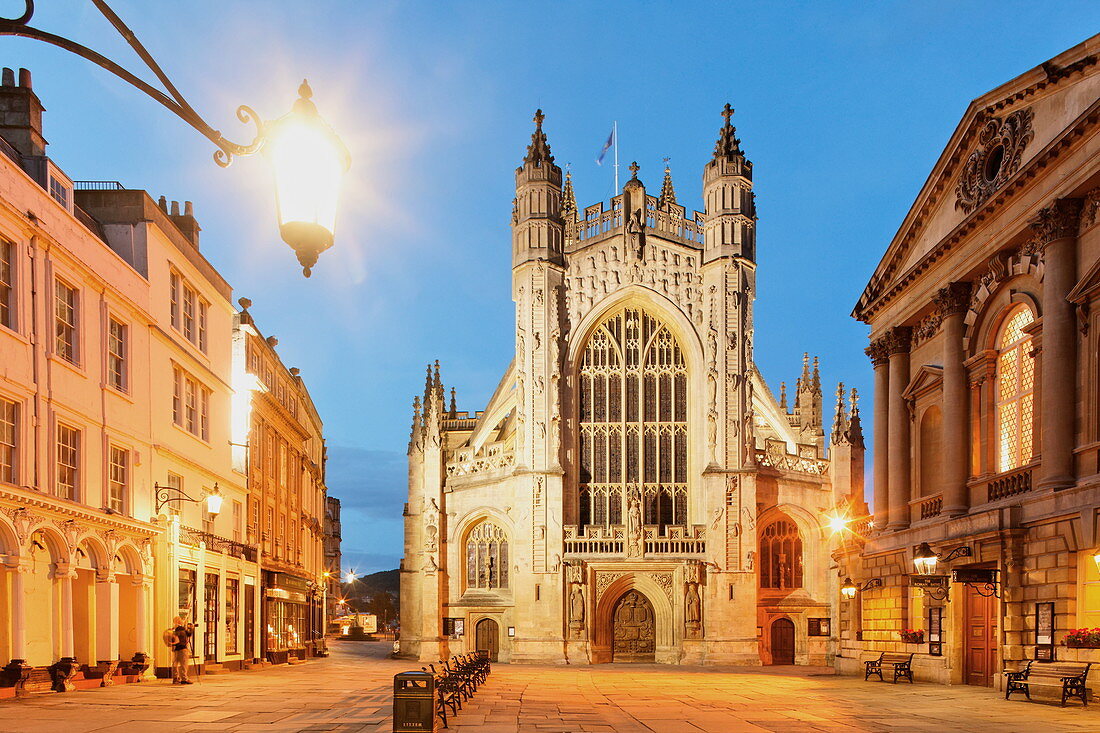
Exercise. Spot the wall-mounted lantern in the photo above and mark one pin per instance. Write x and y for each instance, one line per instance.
(849, 589)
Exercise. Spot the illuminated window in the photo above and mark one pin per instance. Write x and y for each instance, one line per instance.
(1015, 391)
(1088, 600)
(487, 557)
(780, 556)
(633, 423)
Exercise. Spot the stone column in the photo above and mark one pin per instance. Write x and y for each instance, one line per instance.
(106, 606)
(877, 352)
(953, 302)
(65, 668)
(141, 620)
(65, 574)
(897, 342)
(1056, 234)
(18, 614)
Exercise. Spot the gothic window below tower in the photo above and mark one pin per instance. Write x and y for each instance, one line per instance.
(780, 556)
(633, 423)
(487, 557)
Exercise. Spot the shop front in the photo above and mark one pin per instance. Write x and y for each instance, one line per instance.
(289, 617)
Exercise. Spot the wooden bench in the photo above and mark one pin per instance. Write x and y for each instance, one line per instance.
(902, 664)
(1068, 676)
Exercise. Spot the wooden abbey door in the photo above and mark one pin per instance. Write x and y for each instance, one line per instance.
(980, 645)
(783, 641)
(485, 637)
(633, 631)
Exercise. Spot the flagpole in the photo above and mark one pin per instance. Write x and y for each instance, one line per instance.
(615, 131)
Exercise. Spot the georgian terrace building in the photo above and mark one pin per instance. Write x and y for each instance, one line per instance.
(120, 407)
(985, 342)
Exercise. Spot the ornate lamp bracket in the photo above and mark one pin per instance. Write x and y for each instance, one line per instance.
(173, 100)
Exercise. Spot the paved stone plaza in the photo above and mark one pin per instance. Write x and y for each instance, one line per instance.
(351, 692)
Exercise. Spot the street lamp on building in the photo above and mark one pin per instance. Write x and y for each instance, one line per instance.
(849, 589)
(308, 159)
(925, 558)
(212, 498)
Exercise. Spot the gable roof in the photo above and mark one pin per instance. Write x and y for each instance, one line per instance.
(891, 273)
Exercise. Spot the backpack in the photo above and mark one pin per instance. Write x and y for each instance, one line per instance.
(169, 637)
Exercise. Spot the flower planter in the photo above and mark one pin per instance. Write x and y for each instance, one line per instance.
(1075, 644)
(912, 637)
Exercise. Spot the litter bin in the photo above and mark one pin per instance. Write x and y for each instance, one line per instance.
(413, 702)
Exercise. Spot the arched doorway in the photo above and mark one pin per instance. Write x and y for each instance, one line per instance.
(486, 636)
(783, 641)
(633, 631)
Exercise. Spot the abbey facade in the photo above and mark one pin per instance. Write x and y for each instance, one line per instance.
(633, 491)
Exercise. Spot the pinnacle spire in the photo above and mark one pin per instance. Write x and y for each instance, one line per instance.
(454, 404)
(855, 426)
(783, 396)
(728, 146)
(668, 193)
(568, 197)
(804, 380)
(538, 152)
(816, 377)
(840, 416)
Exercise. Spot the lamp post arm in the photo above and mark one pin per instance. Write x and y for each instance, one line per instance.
(174, 101)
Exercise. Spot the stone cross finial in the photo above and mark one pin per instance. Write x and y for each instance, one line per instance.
(634, 169)
(727, 112)
(539, 117)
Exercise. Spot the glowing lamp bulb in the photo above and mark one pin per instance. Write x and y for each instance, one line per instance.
(848, 589)
(924, 559)
(309, 162)
(214, 501)
(838, 524)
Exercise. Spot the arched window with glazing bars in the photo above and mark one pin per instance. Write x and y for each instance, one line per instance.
(780, 555)
(487, 557)
(633, 423)
(1015, 390)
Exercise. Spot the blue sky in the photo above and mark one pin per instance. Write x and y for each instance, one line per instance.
(842, 107)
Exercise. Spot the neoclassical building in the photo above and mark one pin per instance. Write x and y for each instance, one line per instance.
(985, 343)
(633, 491)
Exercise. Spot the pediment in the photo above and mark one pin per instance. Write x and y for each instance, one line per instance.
(1087, 287)
(998, 142)
(927, 379)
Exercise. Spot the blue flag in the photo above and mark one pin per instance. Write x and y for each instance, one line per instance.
(606, 146)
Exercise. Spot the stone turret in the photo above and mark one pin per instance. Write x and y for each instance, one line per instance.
(727, 193)
(808, 406)
(537, 226)
(847, 450)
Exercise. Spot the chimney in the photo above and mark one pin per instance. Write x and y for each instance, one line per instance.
(21, 114)
(185, 222)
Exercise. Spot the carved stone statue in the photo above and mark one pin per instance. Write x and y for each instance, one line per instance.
(576, 605)
(693, 604)
(634, 521)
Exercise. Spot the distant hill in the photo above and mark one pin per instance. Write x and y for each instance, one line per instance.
(387, 581)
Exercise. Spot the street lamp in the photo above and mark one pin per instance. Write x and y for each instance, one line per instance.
(925, 558)
(308, 158)
(211, 497)
(849, 589)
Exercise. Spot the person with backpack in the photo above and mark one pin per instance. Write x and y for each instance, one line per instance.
(177, 639)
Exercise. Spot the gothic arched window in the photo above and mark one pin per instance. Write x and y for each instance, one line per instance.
(780, 555)
(1015, 390)
(487, 557)
(633, 423)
